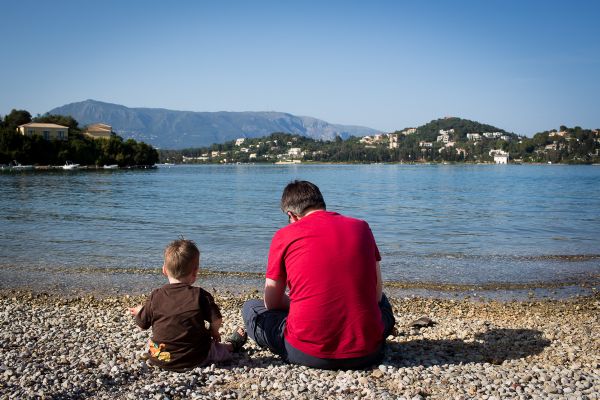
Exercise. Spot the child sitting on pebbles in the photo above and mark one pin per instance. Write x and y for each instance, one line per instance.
(177, 311)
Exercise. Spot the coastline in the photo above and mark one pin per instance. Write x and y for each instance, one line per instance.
(113, 281)
(62, 346)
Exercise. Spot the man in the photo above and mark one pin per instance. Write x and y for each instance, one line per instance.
(336, 316)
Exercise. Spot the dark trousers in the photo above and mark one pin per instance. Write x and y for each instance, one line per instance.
(266, 328)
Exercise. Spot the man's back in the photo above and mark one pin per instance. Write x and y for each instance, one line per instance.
(330, 262)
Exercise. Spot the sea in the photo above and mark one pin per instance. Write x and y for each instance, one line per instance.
(526, 229)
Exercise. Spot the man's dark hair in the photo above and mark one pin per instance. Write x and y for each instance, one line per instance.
(301, 196)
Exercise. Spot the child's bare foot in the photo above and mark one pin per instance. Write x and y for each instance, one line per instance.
(237, 339)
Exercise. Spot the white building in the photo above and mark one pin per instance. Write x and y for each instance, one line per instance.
(554, 133)
(446, 146)
(501, 159)
(295, 152)
(443, 138)
(491, 135)
(425, 144)
(238, 142)
(500, 156)
(393, 141)
(473, 136)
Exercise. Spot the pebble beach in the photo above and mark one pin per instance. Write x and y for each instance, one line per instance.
(67, 347)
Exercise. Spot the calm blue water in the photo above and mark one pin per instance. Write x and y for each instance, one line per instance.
(452, 223)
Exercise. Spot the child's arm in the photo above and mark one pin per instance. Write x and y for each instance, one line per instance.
(212, 314)
(213, 328)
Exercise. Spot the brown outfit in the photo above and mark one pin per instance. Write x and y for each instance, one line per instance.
(177, 313)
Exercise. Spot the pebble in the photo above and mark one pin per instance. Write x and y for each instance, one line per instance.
(55, 346)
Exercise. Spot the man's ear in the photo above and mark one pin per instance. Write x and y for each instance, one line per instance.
(293, 217)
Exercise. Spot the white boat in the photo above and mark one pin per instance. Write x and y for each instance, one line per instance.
(111, 166)
(69, 165)
(167, 164)
(16, 166)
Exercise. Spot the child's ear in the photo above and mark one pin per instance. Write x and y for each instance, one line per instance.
(164, 270)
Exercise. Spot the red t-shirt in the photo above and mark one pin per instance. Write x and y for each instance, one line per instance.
(328, 262)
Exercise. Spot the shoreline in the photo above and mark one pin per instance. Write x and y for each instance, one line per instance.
(88, 346)
(105, 281)
(96, 168)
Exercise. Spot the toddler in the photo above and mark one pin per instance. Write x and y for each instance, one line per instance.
(177, 313)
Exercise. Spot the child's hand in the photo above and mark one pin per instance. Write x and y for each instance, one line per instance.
(135, 310)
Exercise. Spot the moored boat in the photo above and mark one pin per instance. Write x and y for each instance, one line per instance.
(111, 166)
(16, 166)
(70, 166)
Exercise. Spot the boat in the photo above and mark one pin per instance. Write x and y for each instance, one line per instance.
(16, 166)
(70, 166)
(111, 166)
(287, 162)
(167, 164)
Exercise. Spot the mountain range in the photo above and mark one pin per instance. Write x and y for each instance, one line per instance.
(170, 129)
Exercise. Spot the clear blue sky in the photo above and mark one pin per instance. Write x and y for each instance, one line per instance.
(524, 66)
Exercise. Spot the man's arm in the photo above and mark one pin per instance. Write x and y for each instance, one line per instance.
(275, 297)
(379, 288)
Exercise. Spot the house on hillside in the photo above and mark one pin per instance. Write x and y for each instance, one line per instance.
(554, 133)
(295, 152)
(98, 131)
(500, 156)
(393, 141)
(444, 136)
(47, 131)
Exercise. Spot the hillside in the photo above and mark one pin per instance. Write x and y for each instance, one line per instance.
(461, 127)
(183, 129)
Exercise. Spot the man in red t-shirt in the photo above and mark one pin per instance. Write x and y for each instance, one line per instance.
(335, 315)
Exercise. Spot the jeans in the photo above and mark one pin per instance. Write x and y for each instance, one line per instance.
(266, 328)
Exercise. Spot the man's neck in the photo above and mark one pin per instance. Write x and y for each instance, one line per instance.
(310, 212)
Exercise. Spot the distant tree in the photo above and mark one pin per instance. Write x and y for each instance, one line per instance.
(64, 120)
(11, 145)
(16, 118)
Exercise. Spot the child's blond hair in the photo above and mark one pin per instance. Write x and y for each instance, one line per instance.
(179, 258)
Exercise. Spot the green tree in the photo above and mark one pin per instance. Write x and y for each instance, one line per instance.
(64, 120)
(16, 118)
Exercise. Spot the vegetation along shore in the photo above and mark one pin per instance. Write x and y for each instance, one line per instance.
(63, 346)
(57, 140)
(440, 141)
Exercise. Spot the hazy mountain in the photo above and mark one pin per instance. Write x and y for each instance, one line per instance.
(171, 129)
